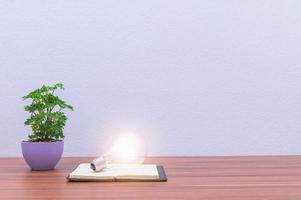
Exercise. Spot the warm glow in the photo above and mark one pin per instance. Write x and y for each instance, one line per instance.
(127, 148)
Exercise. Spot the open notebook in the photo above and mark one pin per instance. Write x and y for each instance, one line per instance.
(119, 172)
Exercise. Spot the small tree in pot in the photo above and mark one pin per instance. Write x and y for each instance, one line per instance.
(45, 144)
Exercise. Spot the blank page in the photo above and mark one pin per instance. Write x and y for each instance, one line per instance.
(118, 171)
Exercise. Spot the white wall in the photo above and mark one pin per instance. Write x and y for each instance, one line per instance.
(195, 77)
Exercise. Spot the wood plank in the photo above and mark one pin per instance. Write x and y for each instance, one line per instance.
(235, 177)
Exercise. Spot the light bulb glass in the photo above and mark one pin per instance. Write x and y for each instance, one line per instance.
(128, 148)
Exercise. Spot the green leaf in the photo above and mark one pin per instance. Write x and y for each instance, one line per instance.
(47, 119)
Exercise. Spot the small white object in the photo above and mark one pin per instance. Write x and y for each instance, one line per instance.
(98, 164)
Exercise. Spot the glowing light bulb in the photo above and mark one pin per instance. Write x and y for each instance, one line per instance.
(126, 149)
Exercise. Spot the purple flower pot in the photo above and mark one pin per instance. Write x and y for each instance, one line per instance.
(42, 156)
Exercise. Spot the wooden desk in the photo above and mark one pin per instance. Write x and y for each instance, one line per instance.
(261, 177)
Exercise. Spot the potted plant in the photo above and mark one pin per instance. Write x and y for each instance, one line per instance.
(45, 144)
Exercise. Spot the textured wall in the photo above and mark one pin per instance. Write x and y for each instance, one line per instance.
(194, 77)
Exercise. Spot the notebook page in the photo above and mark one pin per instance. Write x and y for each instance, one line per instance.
(135, 171)
(83, 171)
(119, 171)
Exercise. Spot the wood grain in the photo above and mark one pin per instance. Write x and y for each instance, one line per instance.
(253, 177)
